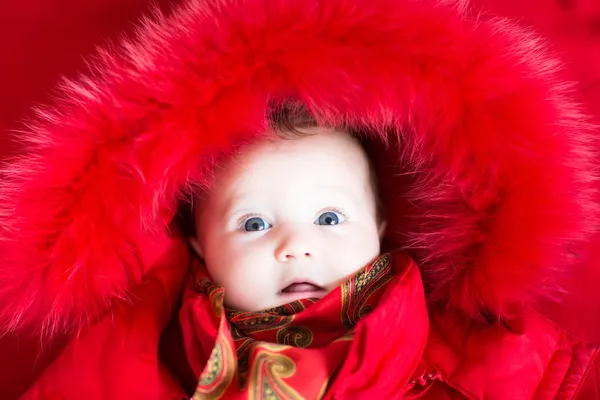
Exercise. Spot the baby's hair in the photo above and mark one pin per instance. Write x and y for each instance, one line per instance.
(289, 120)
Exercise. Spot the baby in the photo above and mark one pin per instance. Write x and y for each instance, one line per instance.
(289, 234)
(289, 218)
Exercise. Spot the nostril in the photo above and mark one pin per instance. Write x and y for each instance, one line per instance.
(291, 255)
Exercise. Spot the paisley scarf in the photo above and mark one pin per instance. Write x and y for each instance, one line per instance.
(294, 351)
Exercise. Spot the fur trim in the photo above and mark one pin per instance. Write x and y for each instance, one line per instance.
(492, 160)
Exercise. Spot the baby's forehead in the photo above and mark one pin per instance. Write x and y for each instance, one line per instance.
(319, 154)
(328, 142)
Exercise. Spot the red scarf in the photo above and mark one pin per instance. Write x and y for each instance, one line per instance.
(343, 343)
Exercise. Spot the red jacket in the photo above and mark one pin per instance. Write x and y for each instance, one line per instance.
(488, 175)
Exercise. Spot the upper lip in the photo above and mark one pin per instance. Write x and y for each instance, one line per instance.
(300, 280)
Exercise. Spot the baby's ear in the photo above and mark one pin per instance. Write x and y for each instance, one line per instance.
(196, 246)
(381, 230)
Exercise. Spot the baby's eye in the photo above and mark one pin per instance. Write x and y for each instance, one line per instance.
(256, 224)
(330, 218)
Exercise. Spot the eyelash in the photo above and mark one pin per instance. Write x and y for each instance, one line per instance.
(240, 222)
(336, 210)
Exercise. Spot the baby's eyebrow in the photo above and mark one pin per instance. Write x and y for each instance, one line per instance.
(236, 202)
(232, 203)
(347, 195)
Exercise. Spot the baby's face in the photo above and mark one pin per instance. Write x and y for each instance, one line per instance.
(289, 219)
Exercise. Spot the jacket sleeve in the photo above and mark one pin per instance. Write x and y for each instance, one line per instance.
(590, 388)
(117, 357)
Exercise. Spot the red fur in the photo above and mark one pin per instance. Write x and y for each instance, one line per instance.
(497, 158)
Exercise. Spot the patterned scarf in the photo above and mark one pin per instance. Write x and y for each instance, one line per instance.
(293, 351)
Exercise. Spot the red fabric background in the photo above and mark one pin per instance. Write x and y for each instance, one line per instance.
(42, 40)
(572, 27)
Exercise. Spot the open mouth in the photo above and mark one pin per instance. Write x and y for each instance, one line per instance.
(302, 287)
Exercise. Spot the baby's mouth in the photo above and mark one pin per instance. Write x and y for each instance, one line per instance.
(302, 287)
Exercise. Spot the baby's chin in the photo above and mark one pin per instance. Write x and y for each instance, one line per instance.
(280, 299)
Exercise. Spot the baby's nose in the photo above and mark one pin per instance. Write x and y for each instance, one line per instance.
(284, 254)
(293, 248)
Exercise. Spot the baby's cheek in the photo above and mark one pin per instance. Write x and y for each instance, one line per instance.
(357, 248)
(249, 278)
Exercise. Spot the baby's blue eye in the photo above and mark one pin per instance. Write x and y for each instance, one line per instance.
(256, 224)
(329, 218)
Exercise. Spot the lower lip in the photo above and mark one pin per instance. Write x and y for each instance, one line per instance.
(292, 296)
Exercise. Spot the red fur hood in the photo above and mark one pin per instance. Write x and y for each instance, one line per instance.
(485, 162)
